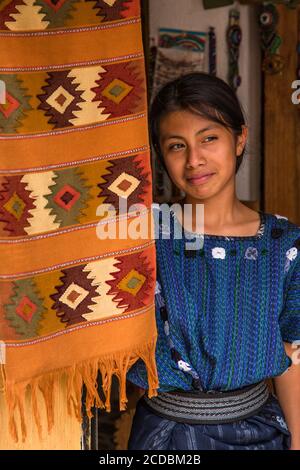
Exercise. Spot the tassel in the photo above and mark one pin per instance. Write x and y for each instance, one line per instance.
(46, 386)
(21, 407)
(123, 367)
(2, 378)
(36, 414)
(78, 375)
(11, 406)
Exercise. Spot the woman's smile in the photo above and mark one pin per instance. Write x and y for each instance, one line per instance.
(198, 179)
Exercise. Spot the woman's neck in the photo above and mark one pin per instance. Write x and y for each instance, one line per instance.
(205, 217)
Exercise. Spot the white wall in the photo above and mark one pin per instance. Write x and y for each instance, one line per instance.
(190, 15)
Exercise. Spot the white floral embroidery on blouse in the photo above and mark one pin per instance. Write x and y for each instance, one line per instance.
(251, 253)
(166, 328)
(218, 252)
(184, 366)
(291, 255)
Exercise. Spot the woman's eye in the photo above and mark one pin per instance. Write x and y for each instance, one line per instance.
(175, 146)
(210, 138)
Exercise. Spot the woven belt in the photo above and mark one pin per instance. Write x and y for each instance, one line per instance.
(209, 407)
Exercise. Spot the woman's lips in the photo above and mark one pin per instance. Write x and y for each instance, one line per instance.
(199, 179)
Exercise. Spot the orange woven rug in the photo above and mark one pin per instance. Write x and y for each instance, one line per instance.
(73, 136)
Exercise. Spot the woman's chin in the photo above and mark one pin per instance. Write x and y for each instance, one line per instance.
(197, 193)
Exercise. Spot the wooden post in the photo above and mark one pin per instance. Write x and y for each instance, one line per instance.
(282, 126)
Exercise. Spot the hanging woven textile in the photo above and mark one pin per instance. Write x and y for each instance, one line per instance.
(73, 136)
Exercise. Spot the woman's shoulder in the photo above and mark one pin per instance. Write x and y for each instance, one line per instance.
(281, 225)
(285, 238)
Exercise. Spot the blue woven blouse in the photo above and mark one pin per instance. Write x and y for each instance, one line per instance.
(224, 310)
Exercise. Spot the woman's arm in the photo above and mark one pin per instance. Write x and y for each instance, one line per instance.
(287, 389)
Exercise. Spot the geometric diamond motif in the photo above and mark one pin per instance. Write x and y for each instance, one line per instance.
(73, 295)
(117, 90)
(10, 105)
(69, 197)
(13, 112)
(132, 282)
(60, 99)
(124, 185)
(15, 206)
(120, 90)
(115, 185)
(66, 197)
(26, 309)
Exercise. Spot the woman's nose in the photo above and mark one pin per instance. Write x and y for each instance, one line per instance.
(194, 157)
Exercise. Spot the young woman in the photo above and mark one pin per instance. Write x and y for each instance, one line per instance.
(227, 311)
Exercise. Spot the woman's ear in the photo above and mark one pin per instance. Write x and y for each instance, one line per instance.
(241, 141)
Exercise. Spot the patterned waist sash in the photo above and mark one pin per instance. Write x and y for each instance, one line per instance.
(209, 407)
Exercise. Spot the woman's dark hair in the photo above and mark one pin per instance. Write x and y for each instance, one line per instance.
(202, 94)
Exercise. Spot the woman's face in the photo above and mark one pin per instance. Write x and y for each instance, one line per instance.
(193, 146)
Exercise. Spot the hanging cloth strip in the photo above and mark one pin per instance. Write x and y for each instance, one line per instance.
(234, 38)
(270, 40)
(212, 66)
(73, 136)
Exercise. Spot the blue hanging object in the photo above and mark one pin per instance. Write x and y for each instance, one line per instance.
(270, 41)
(212, 64)
(234, 38)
